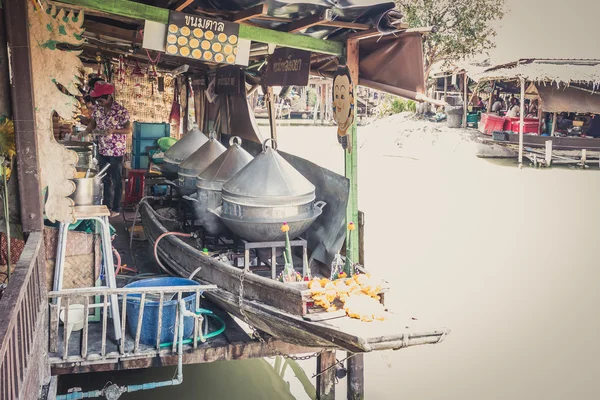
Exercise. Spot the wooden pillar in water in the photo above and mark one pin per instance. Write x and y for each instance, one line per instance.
(355, 364)
(326, 380)
(521, 122)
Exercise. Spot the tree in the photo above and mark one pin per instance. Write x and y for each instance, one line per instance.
(464, 27)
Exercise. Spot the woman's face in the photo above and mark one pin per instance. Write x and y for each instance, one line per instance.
(103, 101)
(341, 98)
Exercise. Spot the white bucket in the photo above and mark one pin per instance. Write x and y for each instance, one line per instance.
(76, 319)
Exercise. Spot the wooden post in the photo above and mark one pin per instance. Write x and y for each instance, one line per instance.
(356, 380)
(326, 380)
(17, 32)
(491, 99)
(548, 157)
(445, 87)
(5, 109)
(554, 116)
(521, 123)
(466, 100)
(323, 102)
(272, 112)
(351, 161)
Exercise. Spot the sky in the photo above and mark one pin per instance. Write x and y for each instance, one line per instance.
(548, 29)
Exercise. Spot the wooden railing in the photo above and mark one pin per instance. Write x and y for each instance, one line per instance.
(23, 337)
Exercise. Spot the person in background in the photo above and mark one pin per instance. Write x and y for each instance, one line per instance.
(112, 118)
(533, 109)
(594, 130)
(480, 103)
(514, 108)
(498, 105)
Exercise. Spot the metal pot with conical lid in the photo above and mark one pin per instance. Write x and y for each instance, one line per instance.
(184, 148)
(197, 162)
(266, 193)
(210, 182)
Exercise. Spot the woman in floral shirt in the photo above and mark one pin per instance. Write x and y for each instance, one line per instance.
(112, 118)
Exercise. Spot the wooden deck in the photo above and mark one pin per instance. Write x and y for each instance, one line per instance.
(233, 344)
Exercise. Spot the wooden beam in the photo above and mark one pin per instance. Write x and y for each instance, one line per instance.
(249, 13)
(351, 158)
(307, 22)
(17, 34)
(374, 32)
(181, 4)
(141, 11)
(111, 31)
(285, 39)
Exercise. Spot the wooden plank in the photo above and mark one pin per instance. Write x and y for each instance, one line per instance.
(326, 375)
(84, 212)
(161, 302)
(123, 323)
(223, 351)
(249, 13)
(307, 22)
(115, 32)
(181, 4)
(138, 331)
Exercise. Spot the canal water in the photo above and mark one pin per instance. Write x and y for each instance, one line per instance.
(507, 259)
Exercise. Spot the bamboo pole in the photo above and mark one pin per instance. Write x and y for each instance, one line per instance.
(521, 122)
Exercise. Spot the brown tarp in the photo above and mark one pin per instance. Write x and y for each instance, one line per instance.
(228, 114)
(393, 64)
(568, 100)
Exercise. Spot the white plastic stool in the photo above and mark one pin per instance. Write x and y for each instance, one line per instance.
(100, 214)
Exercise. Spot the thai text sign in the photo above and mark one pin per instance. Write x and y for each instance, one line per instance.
(288, 67)
(202, 38)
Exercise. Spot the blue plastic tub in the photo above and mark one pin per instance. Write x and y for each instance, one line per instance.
(150, 317)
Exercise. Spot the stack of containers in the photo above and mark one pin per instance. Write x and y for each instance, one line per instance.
(145, 134)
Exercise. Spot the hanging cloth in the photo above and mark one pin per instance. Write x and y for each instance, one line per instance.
(175, 116)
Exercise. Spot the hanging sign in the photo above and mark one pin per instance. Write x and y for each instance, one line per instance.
(343, 104)
(288, 67)
(202, 38)
(229, 81)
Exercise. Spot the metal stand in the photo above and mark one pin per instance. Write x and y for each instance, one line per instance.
(274, 246)
(100, 214)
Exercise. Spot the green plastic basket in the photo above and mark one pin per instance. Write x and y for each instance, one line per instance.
(165, 143)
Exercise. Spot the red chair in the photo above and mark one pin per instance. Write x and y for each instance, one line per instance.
(136, 186)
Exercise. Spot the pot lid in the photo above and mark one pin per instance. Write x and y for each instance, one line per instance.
(202, 157)
(185, 146)
(225, 166)
(269, 179)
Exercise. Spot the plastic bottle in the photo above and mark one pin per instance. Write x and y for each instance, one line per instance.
(337, 266)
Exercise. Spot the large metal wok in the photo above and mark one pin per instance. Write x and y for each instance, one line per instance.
(198, 161)
(266, 193)
(182, 149)
(210, 182)
(267, 230)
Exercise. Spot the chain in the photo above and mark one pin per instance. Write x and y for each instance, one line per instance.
(257, 335)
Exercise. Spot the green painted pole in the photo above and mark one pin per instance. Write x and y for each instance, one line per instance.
(131, 9)
(351, 158)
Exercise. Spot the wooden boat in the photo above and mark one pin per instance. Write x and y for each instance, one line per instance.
(558, 143)
(282, 310)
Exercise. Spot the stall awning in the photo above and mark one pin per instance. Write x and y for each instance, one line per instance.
(568, 99)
